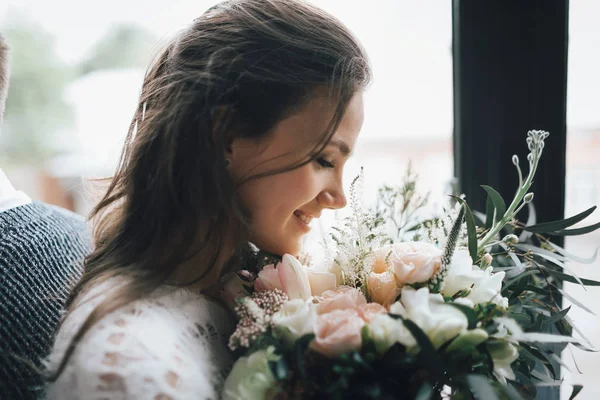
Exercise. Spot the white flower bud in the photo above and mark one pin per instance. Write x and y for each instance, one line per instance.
(510, 239)
(528, 197)
(486, 260)
(515, 159)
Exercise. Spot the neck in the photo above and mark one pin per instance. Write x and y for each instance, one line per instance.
(197, 273)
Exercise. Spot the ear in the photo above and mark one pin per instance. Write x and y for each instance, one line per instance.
(222, 130)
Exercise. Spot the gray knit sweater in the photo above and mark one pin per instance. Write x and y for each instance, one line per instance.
(41, 253)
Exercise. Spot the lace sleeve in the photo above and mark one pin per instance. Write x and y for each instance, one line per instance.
(148, 353)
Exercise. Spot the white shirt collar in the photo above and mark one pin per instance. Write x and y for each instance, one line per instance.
(9, 196)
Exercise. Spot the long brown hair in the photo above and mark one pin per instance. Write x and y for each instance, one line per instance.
(235, 72)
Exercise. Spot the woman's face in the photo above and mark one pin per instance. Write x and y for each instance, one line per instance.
(284, 205)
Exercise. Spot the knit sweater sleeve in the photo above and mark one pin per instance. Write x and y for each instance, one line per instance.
(150, 350)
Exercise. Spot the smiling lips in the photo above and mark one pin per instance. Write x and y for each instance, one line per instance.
(303, 217)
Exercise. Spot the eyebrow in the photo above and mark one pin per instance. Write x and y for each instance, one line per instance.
(340, 144)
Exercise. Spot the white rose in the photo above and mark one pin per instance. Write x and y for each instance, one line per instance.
(484, 286)
(440, 321)
(386, 331)
(251, 377)
(294, 319)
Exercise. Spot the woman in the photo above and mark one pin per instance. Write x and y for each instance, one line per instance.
(243, 127)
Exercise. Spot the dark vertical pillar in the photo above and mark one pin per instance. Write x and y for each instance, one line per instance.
(510, 76)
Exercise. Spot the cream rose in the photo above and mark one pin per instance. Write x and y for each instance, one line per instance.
(414, 262)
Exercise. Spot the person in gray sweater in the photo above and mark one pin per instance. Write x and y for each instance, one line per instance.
(42, 249)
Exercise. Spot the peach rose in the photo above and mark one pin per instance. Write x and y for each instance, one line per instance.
(382, 257)
(414, 262)
(342, 298)
(383, 288)
(369, 310)
(338, 332)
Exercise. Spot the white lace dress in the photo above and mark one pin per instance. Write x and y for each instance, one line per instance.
(170, 346)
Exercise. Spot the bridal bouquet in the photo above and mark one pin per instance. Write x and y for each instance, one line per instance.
(463, 309)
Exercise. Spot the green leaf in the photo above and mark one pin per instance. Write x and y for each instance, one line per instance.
(489, 213)
(546, 227)
(575, 392)
(576, 232)
(497, 200)
(471, 229)
(468, 341)
(427, 354)
(279, 369)
(572, 279)
(300, 348)
(556, 317)
(368, 345)
(481, 388)
(469, 313)
(523, 319)
(538, 356)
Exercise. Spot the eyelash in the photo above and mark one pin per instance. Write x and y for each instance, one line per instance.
(325, 163)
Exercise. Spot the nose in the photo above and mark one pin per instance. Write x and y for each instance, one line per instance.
(332, 198)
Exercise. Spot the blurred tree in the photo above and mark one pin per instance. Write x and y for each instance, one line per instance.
(125, 46)
(35, 110)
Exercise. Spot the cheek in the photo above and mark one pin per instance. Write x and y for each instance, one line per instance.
(277, 197)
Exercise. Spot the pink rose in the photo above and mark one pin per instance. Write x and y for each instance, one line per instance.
(383, 288)
(369, 310)
(338, 332)
(414, 262)
(342, 298)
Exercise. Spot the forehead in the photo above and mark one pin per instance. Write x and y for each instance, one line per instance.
(306, 127)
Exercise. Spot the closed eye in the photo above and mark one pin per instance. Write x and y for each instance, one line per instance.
(325, 163)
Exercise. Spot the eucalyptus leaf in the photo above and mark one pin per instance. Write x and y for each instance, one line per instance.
(572, 299)
(540, 357)
(574, 257)
(497, 200)
(481, 387)
(575, 392)
(559, 263)
(569, 278)
(552, 226)
(556, 317)
(489, 213)
(576, 232)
